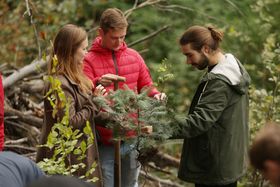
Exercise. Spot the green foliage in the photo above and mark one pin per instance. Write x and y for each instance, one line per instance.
(164, 74)
(63, 139)
(265, 101)
(131, 111)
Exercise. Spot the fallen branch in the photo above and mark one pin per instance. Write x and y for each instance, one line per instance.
(29, 119)
(159, 169)
(159, 181)
(18, 141)
(23, 72)
(20, 147)
(31, 155)
(33, 86)
(163, 160)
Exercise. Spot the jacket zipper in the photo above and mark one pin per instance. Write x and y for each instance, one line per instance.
(115, 62)
(202, 92)
(116, 83)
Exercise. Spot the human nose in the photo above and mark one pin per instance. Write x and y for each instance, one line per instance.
(119, 41)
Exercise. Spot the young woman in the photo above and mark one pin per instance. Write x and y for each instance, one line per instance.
(69, 47)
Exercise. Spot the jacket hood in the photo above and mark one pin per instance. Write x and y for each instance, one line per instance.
(231, 71)
(97, 46)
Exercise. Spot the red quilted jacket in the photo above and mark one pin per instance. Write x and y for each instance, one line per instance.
(124, 62)
(1, 115)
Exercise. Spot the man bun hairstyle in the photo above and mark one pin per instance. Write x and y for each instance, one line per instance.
(216, 35)
(112, 18)
(198, 36)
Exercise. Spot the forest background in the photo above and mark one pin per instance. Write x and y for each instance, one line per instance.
(251, 30)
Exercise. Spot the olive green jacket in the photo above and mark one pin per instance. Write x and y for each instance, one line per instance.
(215, 131)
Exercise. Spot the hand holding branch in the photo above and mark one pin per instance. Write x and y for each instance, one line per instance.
(108, 79)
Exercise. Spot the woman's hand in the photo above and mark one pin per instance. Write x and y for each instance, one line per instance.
(160, 96)
(100, 91)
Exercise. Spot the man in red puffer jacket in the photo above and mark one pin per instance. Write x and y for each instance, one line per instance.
(1, 115)
(109, 56)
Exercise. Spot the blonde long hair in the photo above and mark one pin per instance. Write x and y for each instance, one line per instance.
(66, 43)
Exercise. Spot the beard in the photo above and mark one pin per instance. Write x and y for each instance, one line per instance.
(203, 62)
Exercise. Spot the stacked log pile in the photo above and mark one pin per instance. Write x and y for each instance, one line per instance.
(23, 107)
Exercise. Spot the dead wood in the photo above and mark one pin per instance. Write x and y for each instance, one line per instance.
(29, 119)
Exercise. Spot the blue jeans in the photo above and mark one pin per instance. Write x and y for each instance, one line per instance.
(130, 167)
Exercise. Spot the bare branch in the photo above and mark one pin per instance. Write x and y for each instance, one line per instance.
(159, 180)
(3, 66)
(149, 36)
(21, 140)
(128, 12)
(31, 155)
(33, 86)
(163, 160)
(153, 166)
(135, 3)
(23, 72)
(236, 7)
(29, 12)
(29, 119)
(20, 147)
(172, 8)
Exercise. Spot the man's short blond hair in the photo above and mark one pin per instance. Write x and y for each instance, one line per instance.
(112, 18)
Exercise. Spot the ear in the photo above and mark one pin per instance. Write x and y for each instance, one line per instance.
(272, 166)
(205, 50)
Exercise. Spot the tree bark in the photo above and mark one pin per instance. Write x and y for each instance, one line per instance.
(163, 160)
(23, 72)
(29, 119)
(159, 181)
